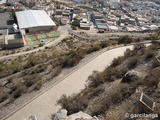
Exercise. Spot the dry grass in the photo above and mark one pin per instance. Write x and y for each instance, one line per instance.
(99, 101)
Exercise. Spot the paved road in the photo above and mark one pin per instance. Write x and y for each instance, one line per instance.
(63, 33)
(44, 105)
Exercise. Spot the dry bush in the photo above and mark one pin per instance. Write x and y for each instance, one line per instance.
(73, 58)
(1, 67)
(116, 96)
(138, 108)
(94, 92)
(132, 62)
(149, 54)
(96, 79)
(128, 53)
(3, 96)
(121, 71)
(104, 44)
(139, 47)
(19, 91)
(110, 74)
(99, 107)
(155, 45)
(38, 85)
(93, 48)
(125, 39)
(117, 61)
(113, 116)
(29, 83)
(32, 60)
(73, 104)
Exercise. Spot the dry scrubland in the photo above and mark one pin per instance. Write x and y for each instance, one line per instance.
(111, 94)
(29, 72)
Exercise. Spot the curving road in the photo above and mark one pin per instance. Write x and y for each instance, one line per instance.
(45, 104)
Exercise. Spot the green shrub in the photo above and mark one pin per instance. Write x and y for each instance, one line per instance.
(15, 66)
(1, 67)
(32, 60)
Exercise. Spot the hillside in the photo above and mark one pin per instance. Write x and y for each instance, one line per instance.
(116, 91)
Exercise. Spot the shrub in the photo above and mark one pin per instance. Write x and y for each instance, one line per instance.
(29, 83)
(109, 74)
(100, 107)
(73, 58)
(1, 67)
(38, 86)
(116, 97)
(121, 71)
(132, 62)
(55, 53)
(125, 40)
(44, 55)
(3, 97)
(73, 104)
(138, 47)
(104, 44)
(73, 27)
(94, 92)
(14, 66)
(149, 55)
(32, 60)
(117, 61)
(17, 93)
(41, 44)
(93, 48)
(96, 79)
(152, 79)
(128, 53)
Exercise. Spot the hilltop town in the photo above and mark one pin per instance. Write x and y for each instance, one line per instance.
(79, 59)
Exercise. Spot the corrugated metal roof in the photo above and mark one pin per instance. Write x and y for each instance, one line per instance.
(33, 18)
(3, 2)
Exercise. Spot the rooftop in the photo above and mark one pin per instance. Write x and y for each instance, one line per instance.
(3, 2)
(33, 18)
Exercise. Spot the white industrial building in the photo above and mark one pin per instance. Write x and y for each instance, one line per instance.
(34, 20)
(2, 2)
